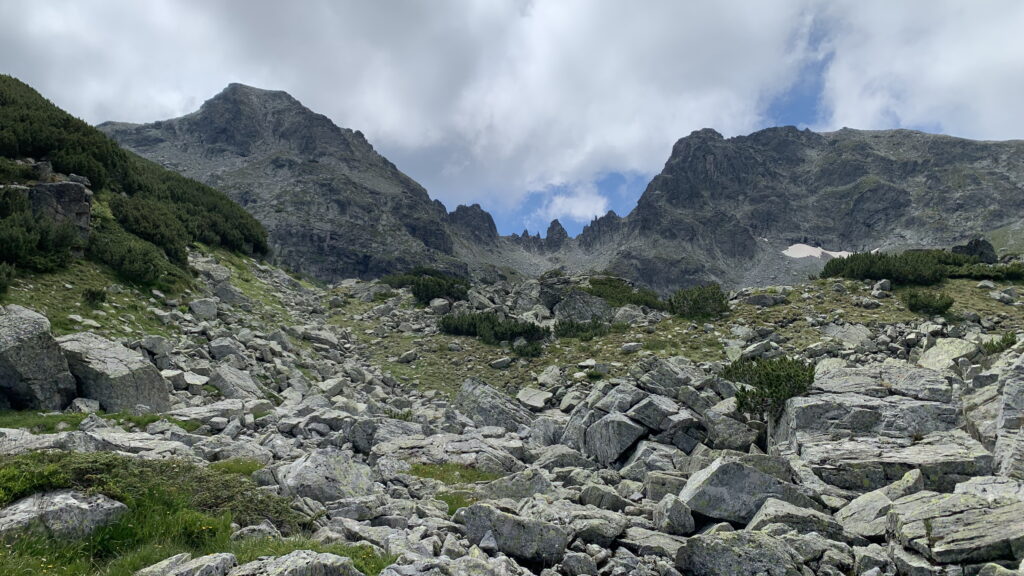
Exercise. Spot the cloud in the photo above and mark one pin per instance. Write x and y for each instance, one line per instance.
(580, 205)
(938, 65)
(496, 102)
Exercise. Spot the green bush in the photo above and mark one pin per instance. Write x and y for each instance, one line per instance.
(94, 296)
(529, 350)
(491, 329)
(586, 331)
(914, 267)
(771, 381)
(6, 276)
(699, 302)
(617, 292)
(427, 284)
(30, 242)
(12, 172)
(997, 272)
(1005, 342)
(925, 302)
(132, 258)
(164, 208)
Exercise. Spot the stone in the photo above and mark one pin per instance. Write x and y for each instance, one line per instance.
(578, 564)
(184, 565)
(64, 201)
(865, 515)
(221, 348)
(64, 514)
(654, 411)
(326, 474)
(235, 384)
(519, 485)
(765, 300)
(672, 516)
(610, 437)
(958, 528)
(946, 352)
(408, 357)
(732, 491)
(485, 406)
(299, 563)
(204, 308)
(526, 539)
(579, 306)
(644, 542)
(802, 520)
(603, 497)
(533, 398)
(119, 378)
(736, 553)
(33, 373)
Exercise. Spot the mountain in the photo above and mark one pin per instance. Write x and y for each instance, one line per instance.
(722, 209)
(332, 206)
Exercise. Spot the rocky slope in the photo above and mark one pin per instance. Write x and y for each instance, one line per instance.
(722, 209)
(623, 455)
(332, 206)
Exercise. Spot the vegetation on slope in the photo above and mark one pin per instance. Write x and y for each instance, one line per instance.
(154, 213)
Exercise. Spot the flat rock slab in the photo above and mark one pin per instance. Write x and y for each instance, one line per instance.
(866, 463)
(61, 514)
(958, 528)
(119, 378)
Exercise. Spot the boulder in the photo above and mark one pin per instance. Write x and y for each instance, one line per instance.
(610, 437)
(802, 520)
(532, 541)
(580, 306)
(485, 406)
(326, 474)
(735, 553)
(946, 352)
(673, 516)
(119, 378)
(204, 308)
(533, 398)
(33, 373)
(300, 563)
(733, 491)
(185, 565)
(65, 514)
(235, 384)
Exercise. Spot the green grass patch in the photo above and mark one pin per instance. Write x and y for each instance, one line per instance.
(452, 473)
(585, 331)
(240, 466)
(618, 292)
(51, 422)
(173, 507)
(1005, 342)
(456, 500)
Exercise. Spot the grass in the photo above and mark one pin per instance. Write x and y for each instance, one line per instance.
(51, 422)
(240, 466)
(173, 507)
(456, 500)
(452, 473)
(1001, 344)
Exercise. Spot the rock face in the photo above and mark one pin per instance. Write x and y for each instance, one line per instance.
(119, 378)
(64, 202)
(333, 207)
(721, 209)
(62, 514)
(33, 373)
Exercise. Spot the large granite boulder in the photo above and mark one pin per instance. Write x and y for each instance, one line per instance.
(119, 378)
(486, 406)
(532, 541)
(733, 491)
(33, 373)
(62, 514)
(184, 565)
(326, 474)
(234, 383)
(299, 563)
(611, 436)
(735, 553)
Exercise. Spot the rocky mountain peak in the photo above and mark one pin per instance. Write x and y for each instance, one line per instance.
(556, 235)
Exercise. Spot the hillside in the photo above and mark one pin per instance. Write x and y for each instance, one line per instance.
(333, 207)
(68, 188)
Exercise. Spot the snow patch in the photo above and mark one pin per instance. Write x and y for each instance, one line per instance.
(806, 251)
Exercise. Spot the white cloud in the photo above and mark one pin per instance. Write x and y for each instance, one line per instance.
(581, 204)
(494, 101)
(956, 67)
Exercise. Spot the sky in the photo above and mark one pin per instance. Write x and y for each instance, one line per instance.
(537, 109)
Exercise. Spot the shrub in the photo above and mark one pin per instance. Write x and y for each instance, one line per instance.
(699, 302)
(427, 284)
(94, 296)
(6, 276)
(31, 242)
(132, 258)
(12, 172)
(914, 267)
(617, 292)
(491, 329)
(528, 350)
(771, 381)
(997, 272)
(1002, 344)
(930, 303)
(586, 331)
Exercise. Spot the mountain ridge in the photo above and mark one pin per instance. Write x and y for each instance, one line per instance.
(721, 210)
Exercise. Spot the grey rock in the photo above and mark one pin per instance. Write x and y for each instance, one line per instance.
(603, 497)
(735, 553)
(204, 308)
(119, 378)
(64, 514)
(234, 383)
(185, 565)
(610, 437)
(299, 563)
(735, 492)
(526, 539)
(946, 352)
(533, 398)
(33, 373)
(673, 516)
(579, 306)
(485, 406)
(803, 520)
(325, 475)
